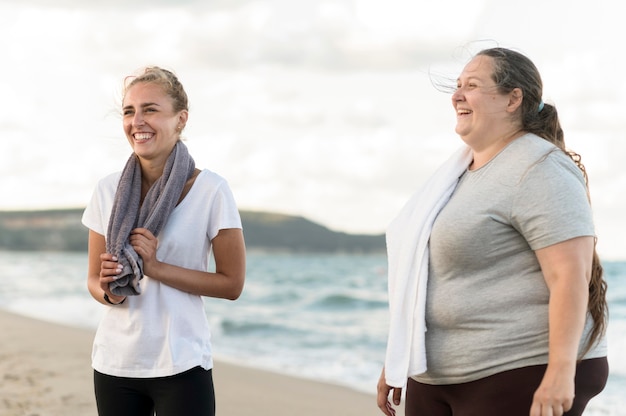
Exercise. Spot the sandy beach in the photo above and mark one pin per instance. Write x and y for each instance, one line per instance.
(45, 371)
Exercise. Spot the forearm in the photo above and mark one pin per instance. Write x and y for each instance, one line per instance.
(97, 292)
(197, 282)
(566, 268)
(567, 314)
(230, 265)
(101, 268)
(93, 285)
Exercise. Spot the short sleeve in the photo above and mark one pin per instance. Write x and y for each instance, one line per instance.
(552, 205)
(223, 212)
(98, 211)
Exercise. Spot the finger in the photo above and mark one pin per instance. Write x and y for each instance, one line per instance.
(143, 232)
(135, 242)
(142, 248)
(136, 239)
(567, 405)
(387, 409)
(381, 398)
(397, 394)
(107, 257)
(111, 265)
(110, 269)
(109, 279)
(547, 410)
(141, 241)
(104, 285)
(535, 409)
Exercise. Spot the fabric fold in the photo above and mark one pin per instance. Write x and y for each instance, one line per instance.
(407, 253)
(129, 212)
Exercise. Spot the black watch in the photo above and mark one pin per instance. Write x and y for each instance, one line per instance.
(107, 300)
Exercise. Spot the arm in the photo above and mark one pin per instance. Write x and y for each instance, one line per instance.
(383, 394)
(230, 265)
(101, 269)
(566, 268)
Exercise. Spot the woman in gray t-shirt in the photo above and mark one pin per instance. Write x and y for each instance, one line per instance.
(515, 311)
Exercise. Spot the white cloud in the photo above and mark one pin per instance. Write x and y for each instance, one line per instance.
(318, 108)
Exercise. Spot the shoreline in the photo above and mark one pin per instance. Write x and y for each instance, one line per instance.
(46, 370)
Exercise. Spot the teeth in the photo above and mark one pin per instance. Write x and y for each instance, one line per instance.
(461, 112)
(142, 136)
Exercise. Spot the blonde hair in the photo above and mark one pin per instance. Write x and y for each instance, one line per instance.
(164, 78)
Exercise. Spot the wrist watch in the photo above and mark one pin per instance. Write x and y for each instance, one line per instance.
(107, 300)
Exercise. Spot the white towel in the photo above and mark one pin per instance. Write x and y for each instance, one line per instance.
(407, 254)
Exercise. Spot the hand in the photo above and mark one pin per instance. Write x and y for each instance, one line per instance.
(109, 271)
(555, 394)
(145, 244)
(383, 395)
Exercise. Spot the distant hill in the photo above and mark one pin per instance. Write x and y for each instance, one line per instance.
(61, 230)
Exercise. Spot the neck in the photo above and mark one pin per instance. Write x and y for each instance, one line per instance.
(152, 168)
(151, 171)
(483, 155)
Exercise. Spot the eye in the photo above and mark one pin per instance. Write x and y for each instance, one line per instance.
(128, 112)
(468, 86)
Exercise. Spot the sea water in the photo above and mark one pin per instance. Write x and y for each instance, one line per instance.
(322, 317)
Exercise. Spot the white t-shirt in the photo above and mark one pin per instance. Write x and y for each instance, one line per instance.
(163, 331)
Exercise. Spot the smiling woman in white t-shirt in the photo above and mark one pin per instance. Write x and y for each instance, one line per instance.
(152, 351)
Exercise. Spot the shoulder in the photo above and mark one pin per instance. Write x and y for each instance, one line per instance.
(209, 187)
(107, 185)
(532, 155)
(209, 175)
(549, 161)
(531, 149)
(210, 180)
(111, 179)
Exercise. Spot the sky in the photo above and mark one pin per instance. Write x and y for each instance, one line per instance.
(317, 108)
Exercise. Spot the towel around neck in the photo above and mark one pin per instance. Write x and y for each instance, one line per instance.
(129, 212)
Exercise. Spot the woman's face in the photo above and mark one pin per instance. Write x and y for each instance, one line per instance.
(480, 108)
(151, 125)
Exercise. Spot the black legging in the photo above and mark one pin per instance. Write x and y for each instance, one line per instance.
(190, 393)
(508, 393)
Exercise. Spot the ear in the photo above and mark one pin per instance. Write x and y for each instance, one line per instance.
(515, 100)
(182, 118)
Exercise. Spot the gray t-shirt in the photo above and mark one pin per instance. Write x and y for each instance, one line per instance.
(487, 300)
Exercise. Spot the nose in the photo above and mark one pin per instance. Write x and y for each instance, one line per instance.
(138, 119)
(457, 95)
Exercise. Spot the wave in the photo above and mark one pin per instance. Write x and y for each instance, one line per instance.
(320, 317)
(341, 301)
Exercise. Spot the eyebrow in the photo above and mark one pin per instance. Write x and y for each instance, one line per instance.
(144, 105)
(470, 78)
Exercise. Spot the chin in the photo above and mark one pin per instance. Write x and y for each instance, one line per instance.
(461, 133)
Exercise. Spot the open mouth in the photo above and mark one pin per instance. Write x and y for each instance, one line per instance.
(142, 137)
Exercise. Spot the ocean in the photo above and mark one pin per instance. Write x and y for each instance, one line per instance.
(321, 317)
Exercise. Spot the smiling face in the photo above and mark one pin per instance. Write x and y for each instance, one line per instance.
(151, 125)
(483, 113)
